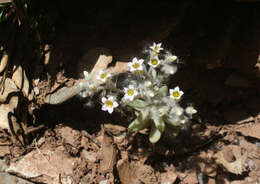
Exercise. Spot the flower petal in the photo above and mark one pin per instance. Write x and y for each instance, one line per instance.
(140, 61)
(101, 72)
(111, 98)
(134, 60)
(115, 104)
(131, 87)
(110, 110)
(181, 93)
(104, 108)
(176, 88)
(104, 99)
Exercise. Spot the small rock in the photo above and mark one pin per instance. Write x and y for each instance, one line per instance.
(237, 81)
(20, 79)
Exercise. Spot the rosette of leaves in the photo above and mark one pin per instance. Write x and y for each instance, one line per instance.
(159, 115)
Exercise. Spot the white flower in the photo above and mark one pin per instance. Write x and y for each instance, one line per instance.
(156, 48)
(103, 76)
(154, 62)
(130, 92)
(176, 93)
(136, 65)
(109, 104)
(190, 110)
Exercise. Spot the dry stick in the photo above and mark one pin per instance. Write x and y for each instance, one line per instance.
(33, 129)
(66, 93)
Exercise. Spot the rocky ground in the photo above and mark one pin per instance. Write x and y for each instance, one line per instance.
(57, 139)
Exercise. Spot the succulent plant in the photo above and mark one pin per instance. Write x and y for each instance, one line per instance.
(156, 107)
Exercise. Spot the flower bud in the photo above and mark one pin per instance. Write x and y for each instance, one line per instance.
(148, 84)
(172, 58)
(190, 110)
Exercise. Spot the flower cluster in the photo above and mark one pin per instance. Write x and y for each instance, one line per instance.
(156, 107)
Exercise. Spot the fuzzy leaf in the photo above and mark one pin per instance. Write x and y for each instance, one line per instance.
(144, 112)
(138, 124)
(138, 104)
(155, 134)
(159, 123)
(154, 73)
(163, 91)
(172, 121)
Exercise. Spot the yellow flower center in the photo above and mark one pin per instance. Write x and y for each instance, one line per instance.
(136, 65)
(137, 72)
(176, 94)
(156, 48)
(130, 92)
(103, 75)
(154, 62)
(109, 103)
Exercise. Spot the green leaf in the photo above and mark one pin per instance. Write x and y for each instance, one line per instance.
(138, 124)
(145, 113)
(138, 104)
(159, 123)
(171, 121)
(155, 134)
(163, 91)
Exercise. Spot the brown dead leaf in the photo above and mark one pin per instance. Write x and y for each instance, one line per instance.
(127, 172)
(108, 154)
(233, 159)
(116, 130)
(169, 176)
(145, 173)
